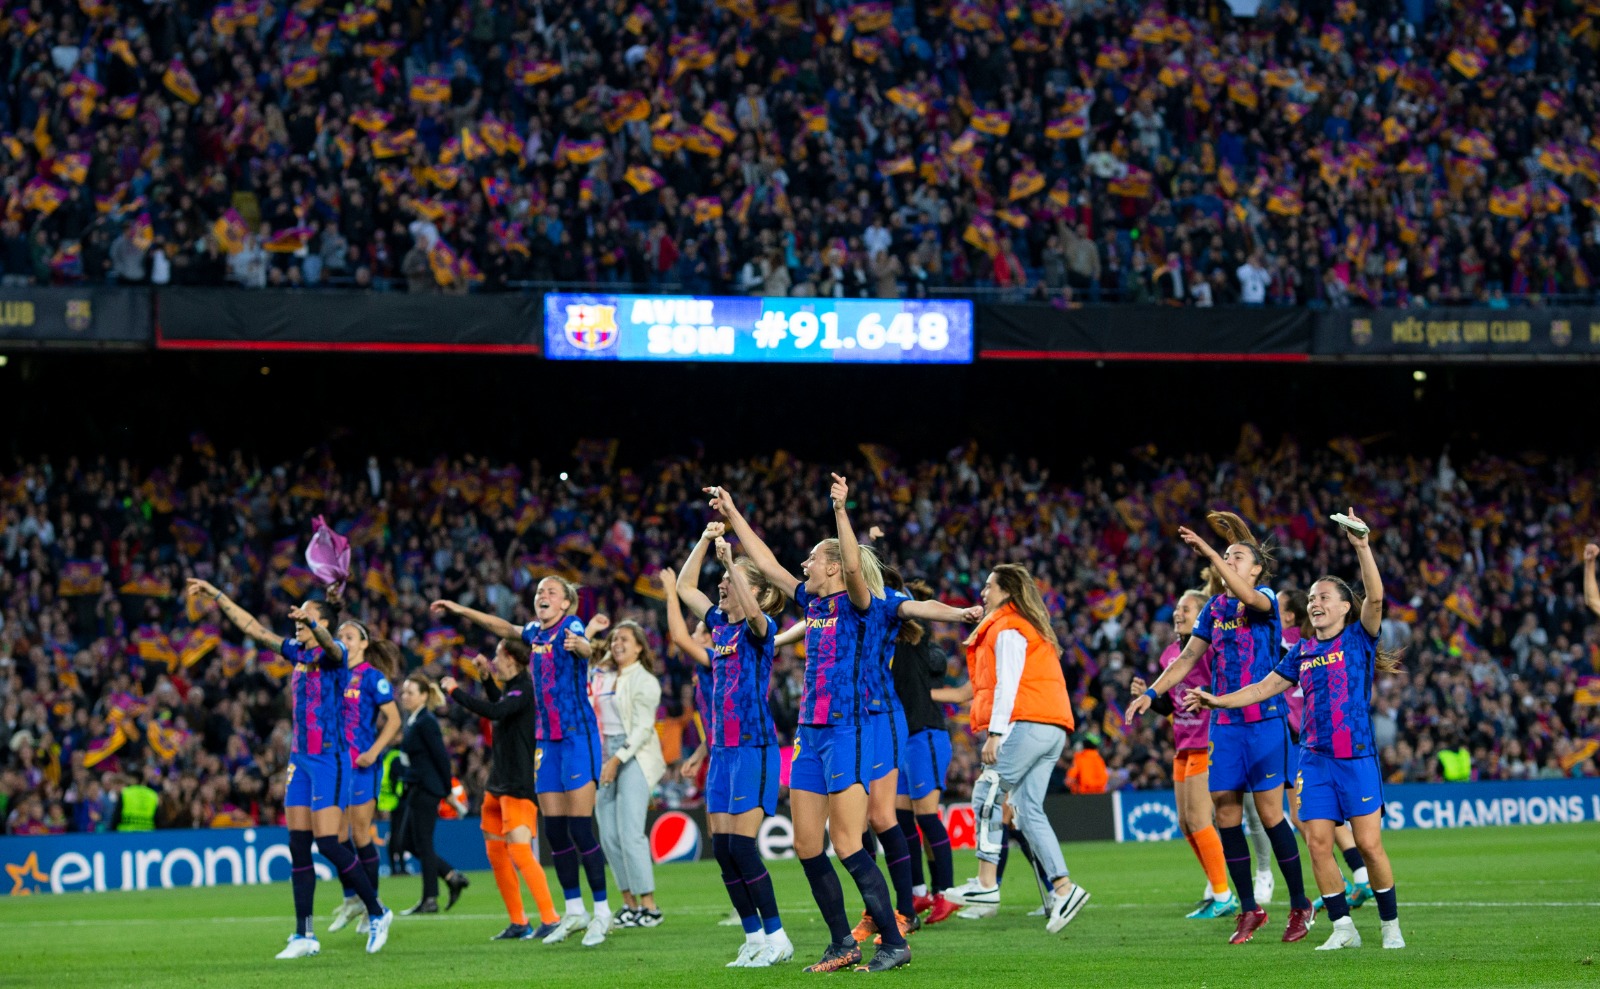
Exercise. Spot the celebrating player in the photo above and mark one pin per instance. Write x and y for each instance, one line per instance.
(1250, 749)
(1190, 768)
(369, 700)
(1340, 779)
(828, 776)
(1020, 698)
(568, 757)
(891, 610)
(319, 765)
(742, 781)
(925, 759)
(509, 820)
(1296, 626)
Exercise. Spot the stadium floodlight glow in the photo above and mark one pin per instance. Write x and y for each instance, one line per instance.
(1419, 376)
(757, 329)
(4, 360)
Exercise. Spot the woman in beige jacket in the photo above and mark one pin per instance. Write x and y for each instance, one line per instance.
(626, 693)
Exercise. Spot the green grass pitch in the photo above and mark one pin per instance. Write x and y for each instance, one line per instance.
(1509, 906)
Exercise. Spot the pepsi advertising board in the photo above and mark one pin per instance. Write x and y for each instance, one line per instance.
(757, 329)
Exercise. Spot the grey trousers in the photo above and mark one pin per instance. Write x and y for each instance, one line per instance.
(1027, 758)
(620, 810)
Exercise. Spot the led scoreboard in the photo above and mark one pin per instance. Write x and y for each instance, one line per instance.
(755, 329)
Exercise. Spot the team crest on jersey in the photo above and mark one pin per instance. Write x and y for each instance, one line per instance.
(591, 327)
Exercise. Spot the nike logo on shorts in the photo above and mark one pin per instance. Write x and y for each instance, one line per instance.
(837, 775)
(1270, 775)
(736, 799)
(1365, 799)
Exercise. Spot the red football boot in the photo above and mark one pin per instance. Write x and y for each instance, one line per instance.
(1300, 922)
(1250, 921)
(941, 910)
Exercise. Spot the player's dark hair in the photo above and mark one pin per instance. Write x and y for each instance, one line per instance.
(517, 650)
(1233, 528)
(385, 657)
(1388, 660)
(911, 630)
(1294, 601)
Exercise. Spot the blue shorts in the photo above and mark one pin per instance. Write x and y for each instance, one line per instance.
(1338, 790)
(318, 781)
(364, 783)
(888, 731)
(568, 764)
(742, 778)
(1252, 757)
(924, 763)
(828, 759)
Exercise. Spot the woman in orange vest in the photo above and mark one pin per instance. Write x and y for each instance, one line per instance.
(1020, 698)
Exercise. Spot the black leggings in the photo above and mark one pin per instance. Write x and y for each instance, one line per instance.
(422, 813)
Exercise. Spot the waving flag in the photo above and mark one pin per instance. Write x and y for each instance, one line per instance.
(81, 577)
(643, 178)
(289, 240)
(430, 90)
(579, 152)
(706, 209)
(328, 554)
(386, 145)
(980, 234)
(370, 120)
(907, 99)
(301, 73)
(180, 82)
(996, 123)
(378, 582)
(1066, 128)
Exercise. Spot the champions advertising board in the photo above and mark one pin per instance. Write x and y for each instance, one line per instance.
(755, 329)
(1152, 815)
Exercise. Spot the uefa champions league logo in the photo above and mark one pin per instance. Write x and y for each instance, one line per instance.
(1152, 821)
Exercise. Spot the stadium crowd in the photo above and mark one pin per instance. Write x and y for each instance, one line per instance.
(1321, 152)
(109, 679)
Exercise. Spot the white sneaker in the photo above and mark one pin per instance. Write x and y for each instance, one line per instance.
(1392, 937)
(378, 932)
(569, 923)
(778, 950)
(1264, 885)
(1038, 911)
(344, 913)
(978, 913)
(599, 927)
(365, 923)
(747, 954)
(1344, 935)
(974, 894)
(300, 946)
(1064, 908)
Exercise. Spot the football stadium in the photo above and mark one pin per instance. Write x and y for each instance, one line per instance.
(631, 492)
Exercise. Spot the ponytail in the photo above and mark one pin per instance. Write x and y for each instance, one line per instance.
(1233, 528)
(429, 689)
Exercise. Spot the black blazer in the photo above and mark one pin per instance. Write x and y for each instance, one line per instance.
(427, 761)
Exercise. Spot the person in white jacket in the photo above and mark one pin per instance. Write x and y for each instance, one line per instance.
(626, 693)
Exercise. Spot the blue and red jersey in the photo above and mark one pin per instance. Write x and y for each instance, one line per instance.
(560, 682)
(883, 628)
(368, 691)
(1245, 647)
(1336, 677)
(836, 655)
(316, 688)
(741, 675)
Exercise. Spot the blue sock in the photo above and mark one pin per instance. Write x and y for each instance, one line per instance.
(304, 875)
(1388, 906)
(897, 858)
(875, 894)
(908, 827)
(941, 866)
(349, 870)
(1352, 858)
(738, 892)
(594, 860)
(825, 889)
(757, 881)
(1236, 851)
(1337, 905)
(1287, 851)
(368, 856)
(564, 855)
(348, 891)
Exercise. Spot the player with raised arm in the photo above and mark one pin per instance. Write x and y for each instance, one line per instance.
(742, 779)
(1250, 750)
(318, 787)
(509, 820)
(828, 775)
(568, 756)
(371, 725)
(1191, 736)
(1339, 779)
